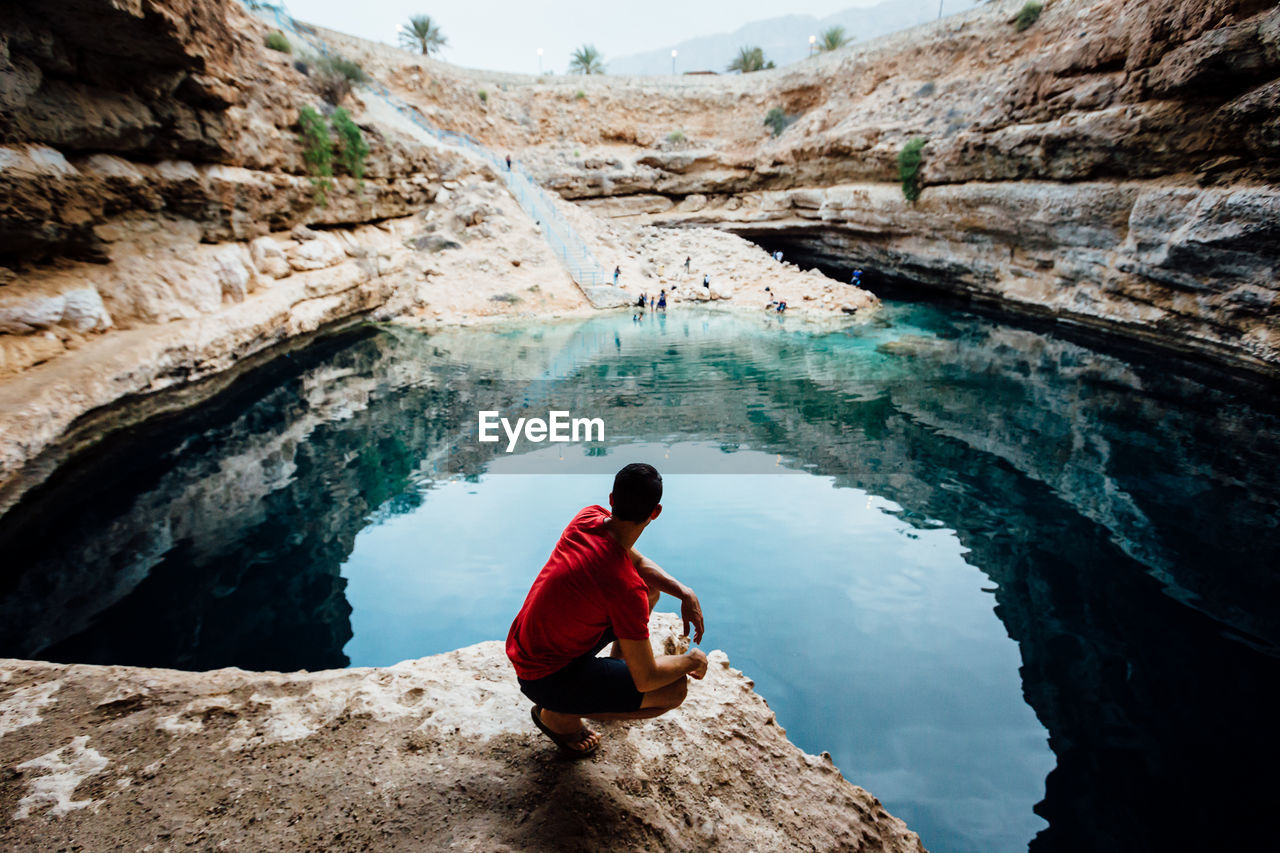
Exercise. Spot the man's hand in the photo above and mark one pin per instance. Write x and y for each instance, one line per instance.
(701, 658)
(655, 578)
(691, 613)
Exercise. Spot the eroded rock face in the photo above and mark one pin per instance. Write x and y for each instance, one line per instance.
(1190, 268)
(1116, 164)
(428, 753)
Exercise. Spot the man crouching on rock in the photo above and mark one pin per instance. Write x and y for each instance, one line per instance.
(596, 588)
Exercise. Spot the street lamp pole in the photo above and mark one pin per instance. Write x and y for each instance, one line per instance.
(673, 61)
(539, 62)
(813, 40)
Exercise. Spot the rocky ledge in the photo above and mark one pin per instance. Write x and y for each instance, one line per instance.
(431, 753)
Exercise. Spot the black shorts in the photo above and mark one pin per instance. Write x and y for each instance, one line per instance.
(587, 685)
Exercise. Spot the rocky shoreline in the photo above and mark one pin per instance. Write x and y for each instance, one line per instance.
(432, 753)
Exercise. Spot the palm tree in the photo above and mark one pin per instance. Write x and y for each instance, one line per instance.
(423, 35)
(833, 38)
(750, 59)
(586, 60)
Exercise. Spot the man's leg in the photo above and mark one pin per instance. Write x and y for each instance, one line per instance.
(655, 704)
(568, 724)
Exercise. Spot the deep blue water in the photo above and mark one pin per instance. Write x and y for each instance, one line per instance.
(1022, 589)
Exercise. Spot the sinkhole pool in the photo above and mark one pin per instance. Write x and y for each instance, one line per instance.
(1023, 589)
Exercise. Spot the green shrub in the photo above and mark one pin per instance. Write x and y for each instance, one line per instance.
(909, 168)
(277, 41)
(484, 96)
(675, 136)
(579, 95)
(778, 120)
(334, 76)
(750, 59)
(317, 152)
(1028, 15)
(352, 149)
(341, 65)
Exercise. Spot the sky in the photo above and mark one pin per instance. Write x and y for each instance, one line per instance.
(505, 36)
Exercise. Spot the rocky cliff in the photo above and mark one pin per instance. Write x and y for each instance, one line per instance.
(1114, 164)
(428, 754)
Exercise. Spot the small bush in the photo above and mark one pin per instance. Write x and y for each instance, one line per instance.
(302, 67)
(675, 136)
(317, 152)
(484, 96)
(1028, 15)
(352, 149)
(778, 120)
(334, 77)
(579, 95)
(508, 298)
(341, 65)
(909, 168)
(277, 41)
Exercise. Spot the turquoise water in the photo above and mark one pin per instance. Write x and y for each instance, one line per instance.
(1021, 588)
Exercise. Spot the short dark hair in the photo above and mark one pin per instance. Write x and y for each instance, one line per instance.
(637, 488)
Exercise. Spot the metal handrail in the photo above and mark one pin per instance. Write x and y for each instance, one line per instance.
(563, 239)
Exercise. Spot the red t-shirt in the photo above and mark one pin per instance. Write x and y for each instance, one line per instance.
(588, 584)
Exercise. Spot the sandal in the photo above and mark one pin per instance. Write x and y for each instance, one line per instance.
(564, 741)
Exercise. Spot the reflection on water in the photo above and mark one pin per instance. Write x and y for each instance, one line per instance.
(1119, 517)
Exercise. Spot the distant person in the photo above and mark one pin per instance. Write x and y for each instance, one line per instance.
(662, 301)
(652, 302)
(597, 589)
(617, 271)
(706, 280)
(686, 264)
(857, 277)
(782, 305)
(508, 162)
(640, 301)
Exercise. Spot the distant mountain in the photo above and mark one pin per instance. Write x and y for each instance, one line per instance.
(785, 39)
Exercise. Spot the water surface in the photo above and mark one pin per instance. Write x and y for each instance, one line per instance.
(1021, 589)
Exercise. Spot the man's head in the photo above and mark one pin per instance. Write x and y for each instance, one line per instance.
(637, 489)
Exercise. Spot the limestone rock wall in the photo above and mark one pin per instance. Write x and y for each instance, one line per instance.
(143, 148)
(438, 752)
(1116, 164)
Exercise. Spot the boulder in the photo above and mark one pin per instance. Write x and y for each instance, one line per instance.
(323, 251)
(607, 296)
(233, 273)
(269, 258)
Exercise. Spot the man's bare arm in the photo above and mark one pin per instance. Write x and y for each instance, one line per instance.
(650, 673)
(655, 578)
